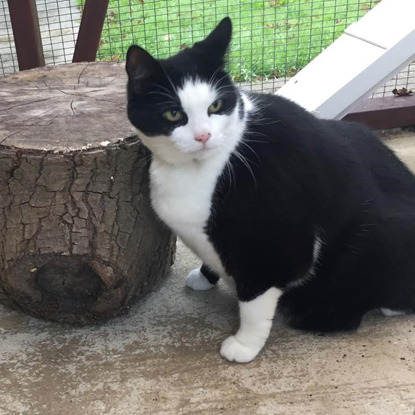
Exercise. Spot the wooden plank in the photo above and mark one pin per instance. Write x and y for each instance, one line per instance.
(385, 113)
(26, 33)
(369, 53)
(386, 24)
(89, 35)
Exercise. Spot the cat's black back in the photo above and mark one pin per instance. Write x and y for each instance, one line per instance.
(308, 177)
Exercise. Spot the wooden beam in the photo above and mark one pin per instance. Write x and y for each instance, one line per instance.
(26, 32)
(369, 53)
(385, 113)
(90, 30)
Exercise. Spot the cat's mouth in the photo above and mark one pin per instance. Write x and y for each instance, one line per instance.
(203, 149)
(202, 152)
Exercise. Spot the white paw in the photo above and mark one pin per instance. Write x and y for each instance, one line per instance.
(391, 313)
(198, 281)
(234, 350)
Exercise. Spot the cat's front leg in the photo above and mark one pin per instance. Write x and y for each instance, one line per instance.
(202, 278)
(256, 318)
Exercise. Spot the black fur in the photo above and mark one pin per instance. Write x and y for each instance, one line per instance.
(306, 177)
(209, 274)
(311, 176)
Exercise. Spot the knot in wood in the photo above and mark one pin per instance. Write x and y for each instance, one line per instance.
(69, 278)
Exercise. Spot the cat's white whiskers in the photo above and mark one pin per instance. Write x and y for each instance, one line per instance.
(167, 90)
(268, 123)
(171, 99)
(256, 141)
(245, 162)
(246, 145)
(257, 134)
(259, 122)
(223, 88)
(147, 161)
(171, 83)
(218, 81)
(231, 174)
(213, 77)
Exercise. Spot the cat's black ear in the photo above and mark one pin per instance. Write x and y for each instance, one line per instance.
(221, 35)
(217, 42)
(140, 64)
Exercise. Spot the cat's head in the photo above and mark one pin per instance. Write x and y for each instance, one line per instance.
(185, 107)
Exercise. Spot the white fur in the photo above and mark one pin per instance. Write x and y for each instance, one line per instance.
(197, 281)
(318, 243)
(255, 324)
(181, 196)
(391, 313)
(181, 147)
(184, 171)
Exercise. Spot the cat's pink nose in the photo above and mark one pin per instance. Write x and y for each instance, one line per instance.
(203, 137)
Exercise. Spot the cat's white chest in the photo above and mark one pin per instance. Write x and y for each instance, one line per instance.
(182, 197)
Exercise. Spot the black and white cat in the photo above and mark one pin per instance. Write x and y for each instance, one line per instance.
(316, 216)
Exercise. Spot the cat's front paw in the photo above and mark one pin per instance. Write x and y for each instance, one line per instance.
(391, 313)
(234, 350)
(197, 281)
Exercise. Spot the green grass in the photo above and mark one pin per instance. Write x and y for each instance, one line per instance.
(270, 38)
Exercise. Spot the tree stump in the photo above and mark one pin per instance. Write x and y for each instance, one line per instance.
(78, 237)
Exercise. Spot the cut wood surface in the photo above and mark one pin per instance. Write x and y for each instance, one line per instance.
(64, 108)
(78, 237)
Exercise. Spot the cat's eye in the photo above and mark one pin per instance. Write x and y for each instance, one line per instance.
(215, 107)
(173, 115)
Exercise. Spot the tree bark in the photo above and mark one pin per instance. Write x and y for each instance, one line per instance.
(78, 237)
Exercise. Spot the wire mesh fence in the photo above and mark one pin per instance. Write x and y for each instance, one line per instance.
(272, 40)
(59, 23)
(403, 79)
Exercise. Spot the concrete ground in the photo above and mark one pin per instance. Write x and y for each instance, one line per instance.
(163, 358)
